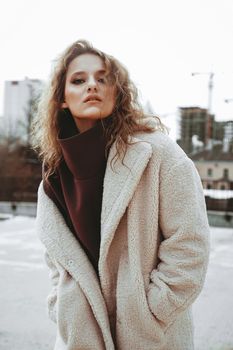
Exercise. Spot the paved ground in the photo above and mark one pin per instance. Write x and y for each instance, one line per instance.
(213, 310)
(24, 283)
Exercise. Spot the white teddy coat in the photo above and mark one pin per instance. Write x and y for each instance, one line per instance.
(153, 255)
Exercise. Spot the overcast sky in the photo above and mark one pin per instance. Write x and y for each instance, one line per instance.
(161, 42)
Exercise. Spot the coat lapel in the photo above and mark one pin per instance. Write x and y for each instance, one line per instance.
(62, 246)
(119, 186)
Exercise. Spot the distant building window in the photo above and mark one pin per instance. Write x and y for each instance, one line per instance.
(14, 82)
(222, 187)
(209, 172)
(225, 173)
(209, 187)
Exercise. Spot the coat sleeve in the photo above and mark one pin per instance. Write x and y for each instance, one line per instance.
(183, 254)
(52, 297)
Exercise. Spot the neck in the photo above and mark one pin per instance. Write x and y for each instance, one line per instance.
(84, 124)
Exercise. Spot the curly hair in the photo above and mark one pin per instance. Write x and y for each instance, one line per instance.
(126, 115)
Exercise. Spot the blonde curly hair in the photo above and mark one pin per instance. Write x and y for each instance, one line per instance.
(126, 116)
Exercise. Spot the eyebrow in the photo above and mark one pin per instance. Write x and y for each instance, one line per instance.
(101, 71)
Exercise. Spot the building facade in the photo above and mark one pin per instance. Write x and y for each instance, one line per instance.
(18, 97)
(215, 169)
(195, 122)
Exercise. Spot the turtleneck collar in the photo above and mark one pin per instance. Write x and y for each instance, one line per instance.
(84, 153)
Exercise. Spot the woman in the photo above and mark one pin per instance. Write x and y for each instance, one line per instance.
(121, 213)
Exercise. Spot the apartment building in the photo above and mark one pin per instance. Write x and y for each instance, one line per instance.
(18, 95)
(215, 168)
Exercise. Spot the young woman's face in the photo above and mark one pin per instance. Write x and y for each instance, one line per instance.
(88, 94)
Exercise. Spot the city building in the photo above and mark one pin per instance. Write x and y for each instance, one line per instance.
(2, 129)
(223, 134)
(215, 168)
(195, 125)
(200, 131)
(18, 98)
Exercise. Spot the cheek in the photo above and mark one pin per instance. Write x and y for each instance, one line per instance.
(72, 95)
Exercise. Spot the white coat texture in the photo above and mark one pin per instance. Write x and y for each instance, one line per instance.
(153, 255)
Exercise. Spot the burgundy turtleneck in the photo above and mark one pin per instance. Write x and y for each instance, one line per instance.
(77, 186)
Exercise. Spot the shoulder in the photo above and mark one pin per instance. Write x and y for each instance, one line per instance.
(176, 169)
(164, 149)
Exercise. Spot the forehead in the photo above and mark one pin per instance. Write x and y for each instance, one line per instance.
(88, 63)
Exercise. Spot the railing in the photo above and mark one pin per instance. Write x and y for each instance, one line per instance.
(219, 200)
(218, 194)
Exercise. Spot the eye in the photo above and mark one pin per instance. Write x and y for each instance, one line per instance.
(78, 81)
(101, 80)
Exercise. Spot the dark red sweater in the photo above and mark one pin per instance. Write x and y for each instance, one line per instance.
(77, 186)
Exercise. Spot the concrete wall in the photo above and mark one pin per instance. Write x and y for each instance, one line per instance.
(216, 218)
(18, 208)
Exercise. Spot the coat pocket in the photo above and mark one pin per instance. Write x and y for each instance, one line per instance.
(136, 327)
(164, 326)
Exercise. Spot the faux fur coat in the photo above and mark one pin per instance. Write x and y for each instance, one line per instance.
(153, 255)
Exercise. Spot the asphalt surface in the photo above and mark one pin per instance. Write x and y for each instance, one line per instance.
(24, 285)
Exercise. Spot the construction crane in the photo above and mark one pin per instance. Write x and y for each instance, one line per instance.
(210, 87)
(209, 106)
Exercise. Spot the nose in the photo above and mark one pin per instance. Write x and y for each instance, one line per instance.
(92, 85)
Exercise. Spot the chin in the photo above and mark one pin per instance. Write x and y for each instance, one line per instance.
(95, 116)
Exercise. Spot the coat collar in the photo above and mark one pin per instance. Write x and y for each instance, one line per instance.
(120, 183)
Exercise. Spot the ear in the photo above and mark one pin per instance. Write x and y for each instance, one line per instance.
(64, 105)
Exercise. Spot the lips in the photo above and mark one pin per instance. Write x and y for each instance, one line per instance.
(92, 98)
